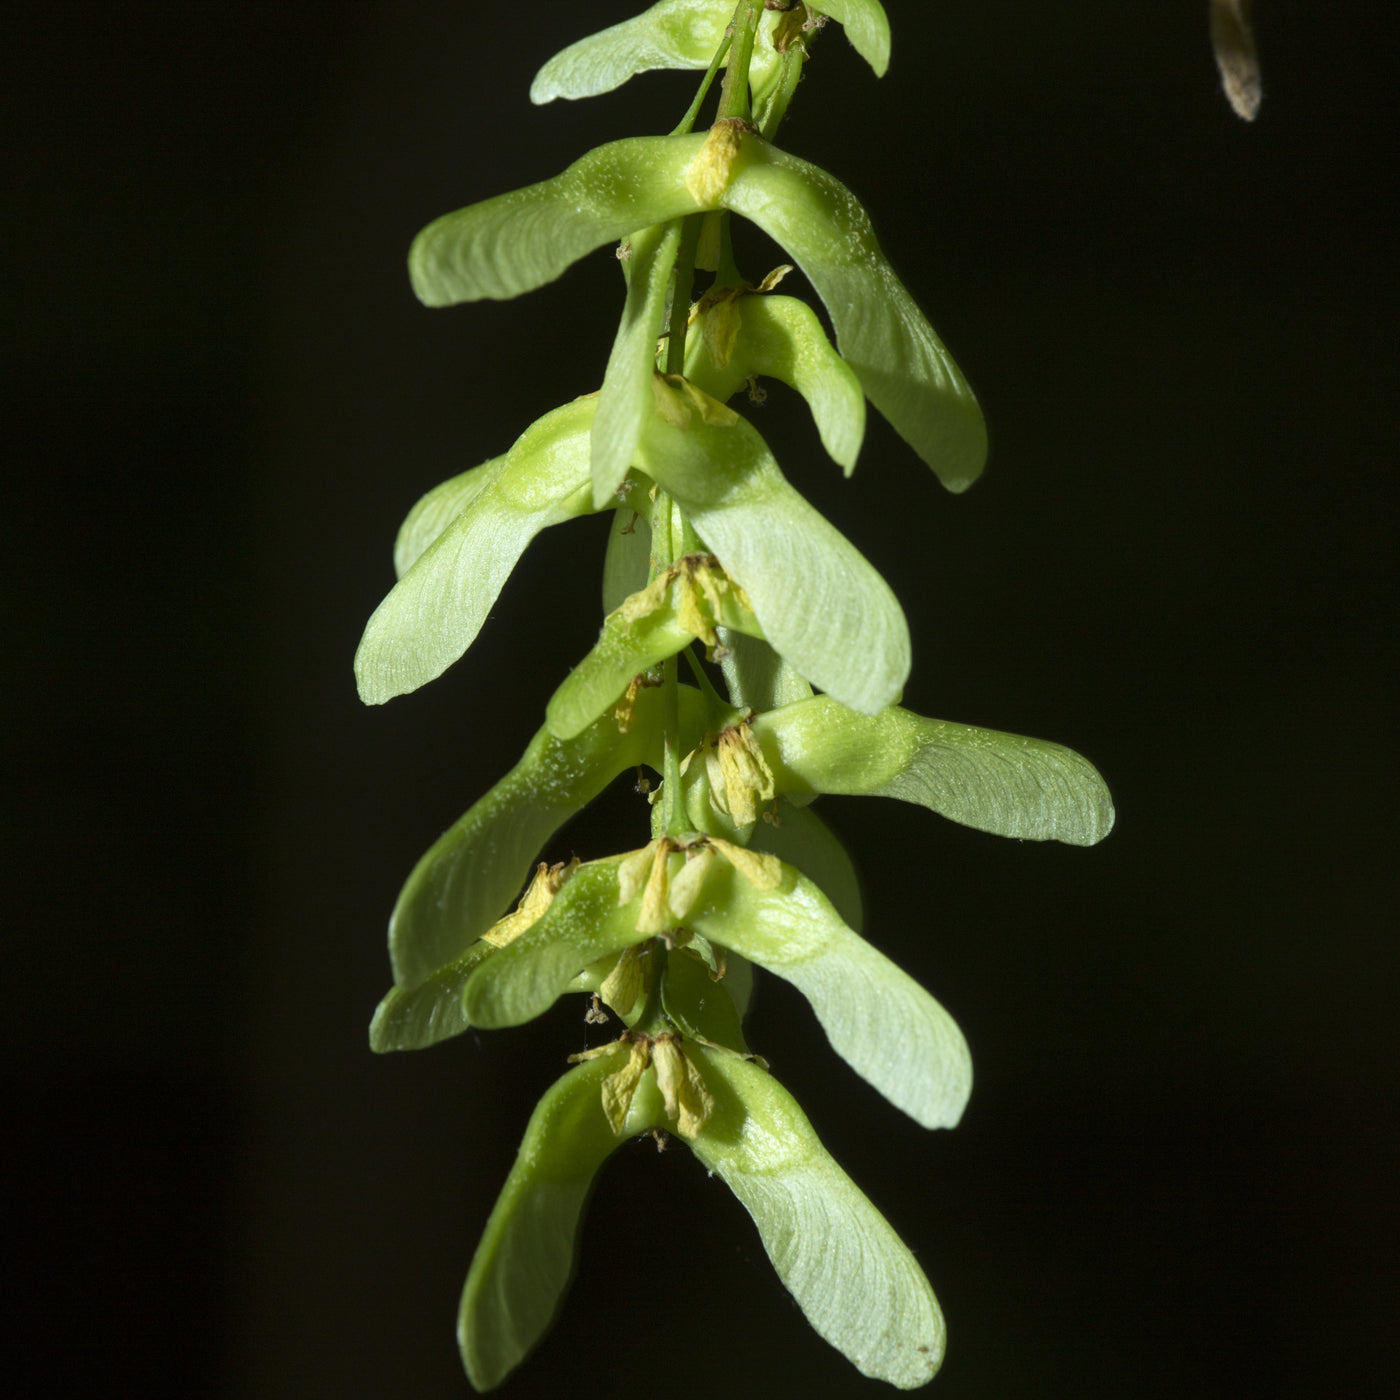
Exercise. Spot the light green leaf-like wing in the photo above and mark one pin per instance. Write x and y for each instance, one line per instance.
(673, 34)
(757, 677)
(1003, 783)
(434, 612)
(781, 338)
(583, 923)
(878, 1019)
(413, 1018)
(867, 27)
(526, 1256)
(519, 241)
(471, 874)
(820, 603)
(626, 647)
(801, 839)
(626, 399)
(880, 331)
(853, 1277)
(627, 564)
(439, 509)
(738, 982)
(698, 1005)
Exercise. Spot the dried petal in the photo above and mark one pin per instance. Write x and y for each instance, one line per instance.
(536, 899)
(633, 871)
(685, 885)
(653, 917)
(620, 1086)
(762, 871)
(621, 987)
(687, 1099)
(746, 777)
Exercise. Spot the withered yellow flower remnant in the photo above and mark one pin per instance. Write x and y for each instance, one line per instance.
(538, 896)
(651, 863)
(713, 167)
(761, 870)
(687, 1099)
(721, 318)
(705, 598)
(620, 1086)
(686, 883)
(688, 1102)
(741, 782)
(621, 987)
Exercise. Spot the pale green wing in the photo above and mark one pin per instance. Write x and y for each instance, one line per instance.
(880, 331)
(1003, 783)
(673, 34)
(801, 839)
(878, 1019)
(627, 563)
(626, 399)
(738, 982)
(526, 1256)
(413, 1018)
(699, 1006)
(521, 240)
(627, 647)
(866, 26)
(434, 612)
(757, 677)
(820, 603)
(623, 650)
(437, 510)
(853, 1277)
(583, 923)
(473, 871)
(781, 338)
(518, 241)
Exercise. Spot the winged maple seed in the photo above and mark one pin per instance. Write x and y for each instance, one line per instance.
(713, 551)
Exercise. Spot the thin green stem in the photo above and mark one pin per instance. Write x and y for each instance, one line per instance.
(673, 818)
(653, 1020)
(663, 552)
(680, 294)
(734, 94)
(774, 108)
(727, 274)
(702, 680)
(691, 543)
(733, 102)
(688, 121)
(669, 819)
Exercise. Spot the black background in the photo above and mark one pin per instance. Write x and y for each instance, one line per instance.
(1177, 1176)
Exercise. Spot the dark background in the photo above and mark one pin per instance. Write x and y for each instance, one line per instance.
(1177, 1176)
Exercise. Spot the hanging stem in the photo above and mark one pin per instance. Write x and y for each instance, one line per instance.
(733, 102)
(686, 122)
(673, 819)
(774, 107)
(653, 1019)
(669, 819)
(680, 294)
(734, 95)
